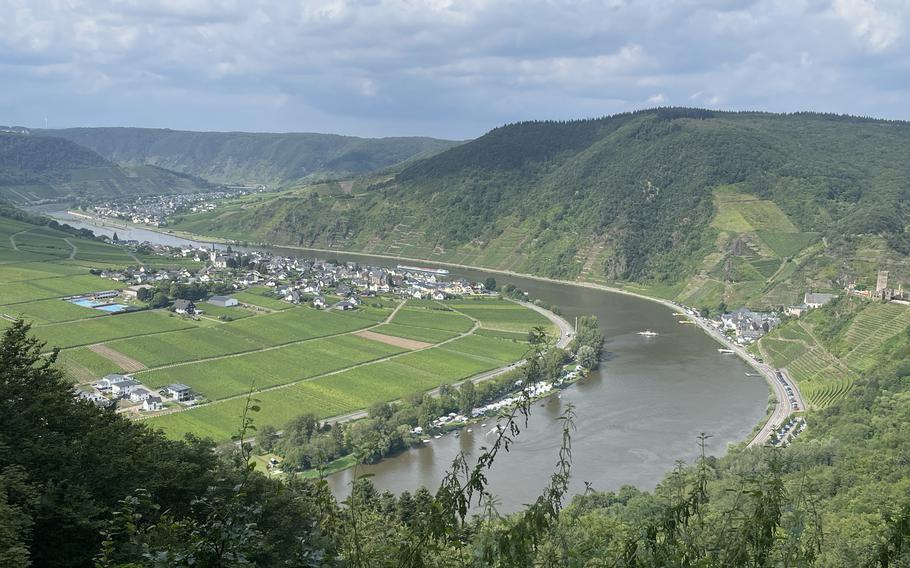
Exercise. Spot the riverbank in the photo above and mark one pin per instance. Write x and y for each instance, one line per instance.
(782, 407)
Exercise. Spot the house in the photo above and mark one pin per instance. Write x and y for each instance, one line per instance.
(223, 301)
(319, 302)
(94, 398)
(816, 300)
(139, 395)
(346, 305)
(184, 307)
(179, 392)
(292, 296)
(152, 404)
(124, 387)
(133, 291)
(439, 295)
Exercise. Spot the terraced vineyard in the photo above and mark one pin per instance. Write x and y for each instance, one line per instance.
(873, 326)
(824, 378)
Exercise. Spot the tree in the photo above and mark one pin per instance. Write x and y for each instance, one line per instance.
(467, 396)
(144, 294)
(489, 283)
(587, 357)
(116, 238)
(266, 437)
(159, 300)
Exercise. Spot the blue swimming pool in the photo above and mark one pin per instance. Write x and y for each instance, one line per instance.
(99, 305)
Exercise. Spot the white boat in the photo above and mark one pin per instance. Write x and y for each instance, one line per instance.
(648, 333)
(726, 351)
(439, 271)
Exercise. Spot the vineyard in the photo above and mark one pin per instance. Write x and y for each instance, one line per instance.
(824, 378)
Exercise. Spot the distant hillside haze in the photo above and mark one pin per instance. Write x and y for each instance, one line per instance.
(263, 158)
(698, 204)
(35, 169)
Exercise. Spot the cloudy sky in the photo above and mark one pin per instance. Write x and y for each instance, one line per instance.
(445, 68)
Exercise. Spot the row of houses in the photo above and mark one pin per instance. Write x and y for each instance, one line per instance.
(112, 388)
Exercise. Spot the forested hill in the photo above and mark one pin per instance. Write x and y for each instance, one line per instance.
(34, 169)
(691, 203)
(241, 157)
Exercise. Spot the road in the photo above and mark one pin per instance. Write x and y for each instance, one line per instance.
(782, 407)
(566, 332)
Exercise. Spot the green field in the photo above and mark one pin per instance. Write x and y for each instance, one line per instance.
(51, 311)
(433, 319)
(418, 333)
(296, 358)
(99, 330)
(55, 287)
(248, 334)
(501, 314)
(230, 376)
(263, 297)
(82, 365)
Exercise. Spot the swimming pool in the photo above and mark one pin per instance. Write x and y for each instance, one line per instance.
(100, 305)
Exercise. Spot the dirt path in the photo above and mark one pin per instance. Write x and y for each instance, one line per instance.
(12, 239)
(128, 364)
(72, 246)
(392, 340)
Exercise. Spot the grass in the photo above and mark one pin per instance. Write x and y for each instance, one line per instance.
(263, 297)
(55, 287)
(418, 333)
(240, 336)
(99, 330)
(743, 213)
(787, 244)
(82, 365)
(221, 378)
(229, 314)
(501, 314)
(498, 350)
(51, 311)
(433, 319)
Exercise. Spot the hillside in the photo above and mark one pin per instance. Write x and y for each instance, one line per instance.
(260, 158)
(698, 205)
(34, 169)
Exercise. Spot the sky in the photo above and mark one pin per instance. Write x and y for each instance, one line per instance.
(443, 68)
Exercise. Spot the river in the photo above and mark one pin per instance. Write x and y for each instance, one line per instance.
(636, 416)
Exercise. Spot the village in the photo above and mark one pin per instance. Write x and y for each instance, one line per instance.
(154, 210)
(198, 292)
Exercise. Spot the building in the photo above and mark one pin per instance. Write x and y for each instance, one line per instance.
(152, 404)
(186, 307)
(881, 283)
(139, 395)
(133, 291)
(179, 392)
(124, 387)
(223, 301)
(814, 300)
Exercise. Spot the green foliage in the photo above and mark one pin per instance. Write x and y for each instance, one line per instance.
(35, 168)
(240, 157)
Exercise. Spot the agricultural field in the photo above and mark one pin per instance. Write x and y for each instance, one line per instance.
(296, 359)
(263, 297)
(248, 334)
(54, 287)
(433, 319)
(82, 365)
(50, 311)
(502, 315)
(823, 377)
(231, 376)
(416, 333)
(99, 330)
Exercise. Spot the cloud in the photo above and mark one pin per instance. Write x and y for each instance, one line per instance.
(451, 68)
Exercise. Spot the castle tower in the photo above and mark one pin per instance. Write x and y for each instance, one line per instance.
(882, 283)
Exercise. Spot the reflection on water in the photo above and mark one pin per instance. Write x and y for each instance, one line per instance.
(635, 417)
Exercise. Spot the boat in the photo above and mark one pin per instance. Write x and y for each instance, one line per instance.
(725, 351)
(439, 271)
(648, 333)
